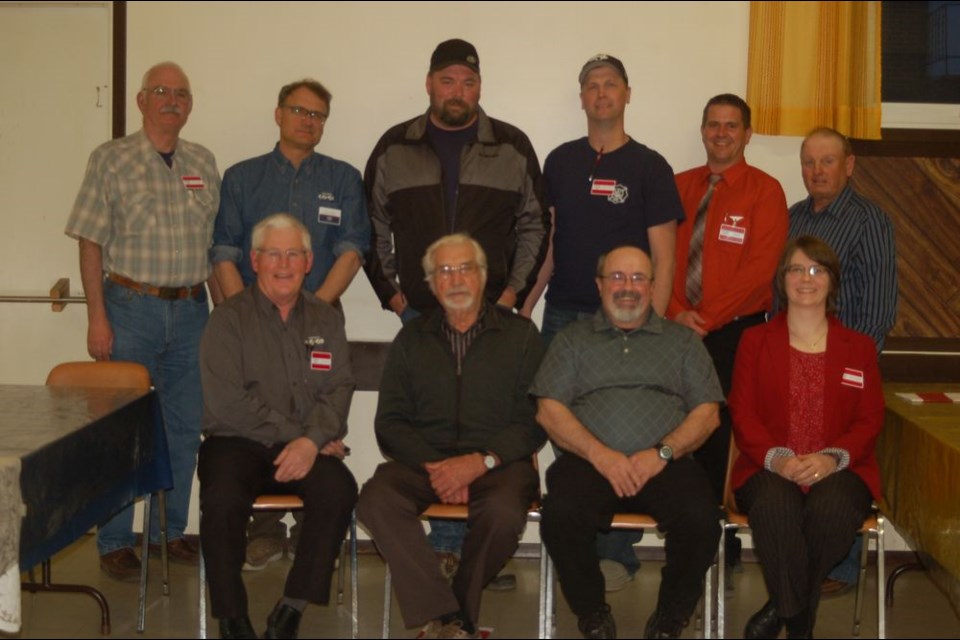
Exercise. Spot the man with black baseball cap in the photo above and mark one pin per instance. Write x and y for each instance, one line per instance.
(453, 170)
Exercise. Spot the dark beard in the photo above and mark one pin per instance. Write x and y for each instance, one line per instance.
(455, 119)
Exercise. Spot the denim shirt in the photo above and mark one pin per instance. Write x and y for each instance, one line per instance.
(325, 194)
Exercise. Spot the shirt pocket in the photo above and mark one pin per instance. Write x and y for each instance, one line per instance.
(138, 214)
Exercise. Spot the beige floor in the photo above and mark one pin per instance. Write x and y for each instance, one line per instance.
(921, 611)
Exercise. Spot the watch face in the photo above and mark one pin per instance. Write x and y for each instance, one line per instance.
(665, 452)
(489, 462)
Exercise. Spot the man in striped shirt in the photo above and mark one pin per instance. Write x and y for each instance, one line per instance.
(861, 234)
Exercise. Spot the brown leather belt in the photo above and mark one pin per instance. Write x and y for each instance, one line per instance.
(164, 293)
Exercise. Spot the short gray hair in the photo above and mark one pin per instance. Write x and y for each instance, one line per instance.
(278, 221)
(161, 65)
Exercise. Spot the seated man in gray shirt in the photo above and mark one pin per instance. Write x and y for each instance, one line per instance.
(276, 386)
(627, 395)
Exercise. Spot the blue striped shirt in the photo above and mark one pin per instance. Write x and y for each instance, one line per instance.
(861, 234)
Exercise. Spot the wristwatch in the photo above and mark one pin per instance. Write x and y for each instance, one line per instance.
(665, 451)
(489, 462)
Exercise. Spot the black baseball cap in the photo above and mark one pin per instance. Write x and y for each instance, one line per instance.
(603, 60)
(451, 52)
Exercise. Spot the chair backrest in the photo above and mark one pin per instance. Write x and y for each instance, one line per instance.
(107, 373)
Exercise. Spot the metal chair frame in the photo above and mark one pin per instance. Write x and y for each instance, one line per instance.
(873, 525)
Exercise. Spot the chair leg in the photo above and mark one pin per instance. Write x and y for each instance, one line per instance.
(542, 631)
(202, 589)
(341, 571)
(164, 556)
(385, 632)
(708, 603)
(354, 580)
(861, 584)
(881, 572)
(550, 625)
(721, 568)
(144, 567)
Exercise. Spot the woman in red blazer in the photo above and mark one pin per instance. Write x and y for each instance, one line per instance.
(807, 406)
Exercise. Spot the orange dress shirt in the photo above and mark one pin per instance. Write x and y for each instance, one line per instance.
(745, 234)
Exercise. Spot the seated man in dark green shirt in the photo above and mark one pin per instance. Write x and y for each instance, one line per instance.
(276, 386)
(458, 426)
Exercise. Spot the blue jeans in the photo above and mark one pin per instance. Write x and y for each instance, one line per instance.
(555, 319)
(848, 570)
(164, 336)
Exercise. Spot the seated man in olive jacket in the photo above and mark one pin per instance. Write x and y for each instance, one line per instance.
(458, 427)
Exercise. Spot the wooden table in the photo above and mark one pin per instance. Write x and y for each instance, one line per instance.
(84, 454)
(919, 455)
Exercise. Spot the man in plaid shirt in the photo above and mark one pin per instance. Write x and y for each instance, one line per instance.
(144, 219)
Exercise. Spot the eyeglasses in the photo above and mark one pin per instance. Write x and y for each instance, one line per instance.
(302, 112)
(446, 271)
(274, 256)
(813, 270)
(619, 277)
(161, 91)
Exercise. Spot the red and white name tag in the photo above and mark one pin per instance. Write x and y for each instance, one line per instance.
(852, 378)
(193, 182)
(602, 187)
(732, 234)
(321, 360)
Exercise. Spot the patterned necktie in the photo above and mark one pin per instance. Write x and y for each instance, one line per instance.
(695, 259)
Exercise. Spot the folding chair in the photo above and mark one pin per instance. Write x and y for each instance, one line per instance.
(626, 522)
(290, 502)
(111, 374)
(872, 526)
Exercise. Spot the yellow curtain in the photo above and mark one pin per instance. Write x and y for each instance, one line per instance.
(815, 64)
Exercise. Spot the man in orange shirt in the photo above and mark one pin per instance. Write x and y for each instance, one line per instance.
(724, 268)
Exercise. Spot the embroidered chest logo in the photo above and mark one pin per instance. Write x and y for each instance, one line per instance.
(326, 195)
(615, 193)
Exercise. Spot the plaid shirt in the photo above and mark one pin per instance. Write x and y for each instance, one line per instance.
(153, 222)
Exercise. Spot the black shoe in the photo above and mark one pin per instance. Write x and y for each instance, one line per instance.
(598, 624)
(764, 623)
(283, 622)
(800, 626)
(660, 626)
(236, 628)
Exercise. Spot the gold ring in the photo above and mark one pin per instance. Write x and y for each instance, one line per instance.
(816, 476)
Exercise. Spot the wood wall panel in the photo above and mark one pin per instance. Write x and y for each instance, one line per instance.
(922, 197)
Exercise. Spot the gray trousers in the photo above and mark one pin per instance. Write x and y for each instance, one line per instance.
(390, 505)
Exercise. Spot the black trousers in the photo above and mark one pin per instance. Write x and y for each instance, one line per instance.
(800, 536)
(722, 346)
(233, 472)
(580, 502)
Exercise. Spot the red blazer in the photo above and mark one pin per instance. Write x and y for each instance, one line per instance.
(760, 404)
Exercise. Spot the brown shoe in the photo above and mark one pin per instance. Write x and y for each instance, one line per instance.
(831, 588)
(122, 564)
(180, 551)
